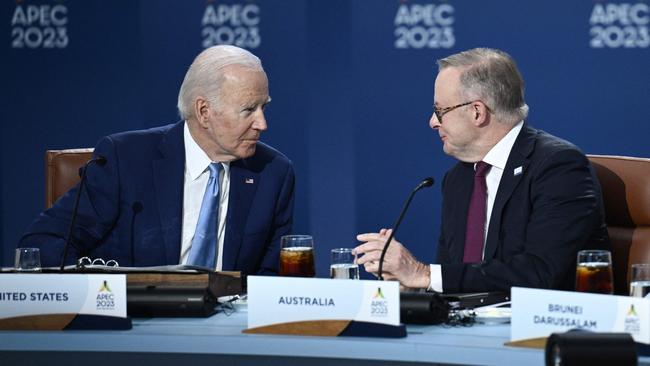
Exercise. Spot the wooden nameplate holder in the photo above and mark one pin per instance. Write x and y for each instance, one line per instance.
(332, 328)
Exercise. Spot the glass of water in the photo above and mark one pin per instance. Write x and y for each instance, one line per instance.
(640, 280)
(344, 264)
(27, 260)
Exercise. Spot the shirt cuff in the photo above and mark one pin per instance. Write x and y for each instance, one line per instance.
(435, 283)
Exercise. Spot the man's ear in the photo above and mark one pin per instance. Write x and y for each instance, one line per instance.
(481, 113)
(202, 111)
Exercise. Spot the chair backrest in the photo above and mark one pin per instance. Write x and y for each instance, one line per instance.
(625, 182)
(62, 171)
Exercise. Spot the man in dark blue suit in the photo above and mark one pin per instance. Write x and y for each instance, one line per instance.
(517, 207)
(148, 204)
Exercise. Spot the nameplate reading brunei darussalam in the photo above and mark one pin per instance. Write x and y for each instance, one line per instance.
(319, 306)
(538, 313)
(62, 301)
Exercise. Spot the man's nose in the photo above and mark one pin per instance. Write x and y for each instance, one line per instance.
(433, 122)
(260, 122)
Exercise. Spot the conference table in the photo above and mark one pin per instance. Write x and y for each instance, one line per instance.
(218, 340)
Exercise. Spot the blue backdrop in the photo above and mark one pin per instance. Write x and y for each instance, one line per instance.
(351, 82)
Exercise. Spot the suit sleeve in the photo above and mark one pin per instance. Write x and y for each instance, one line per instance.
(563, 214)
(96, 215)
(282, 223)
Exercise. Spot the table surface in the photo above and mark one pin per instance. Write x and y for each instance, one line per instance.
(220, 335)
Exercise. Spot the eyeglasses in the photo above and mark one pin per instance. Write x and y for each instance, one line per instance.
(439, 112)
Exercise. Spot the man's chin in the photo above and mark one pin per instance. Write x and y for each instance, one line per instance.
(447, 150)
(248, 152)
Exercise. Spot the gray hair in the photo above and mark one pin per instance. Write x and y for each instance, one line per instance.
(206, 74)
(491, 76)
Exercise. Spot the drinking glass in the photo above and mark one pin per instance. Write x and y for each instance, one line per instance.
(344, 264)
(27, 260)
(594, 272)
(640, 280)
(297, 256)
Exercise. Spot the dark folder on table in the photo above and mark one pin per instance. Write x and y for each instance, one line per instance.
(472, 300)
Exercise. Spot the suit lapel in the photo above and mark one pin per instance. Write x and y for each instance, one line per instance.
(243, 184)
(463, 190)
(169, 174)
(515, 169)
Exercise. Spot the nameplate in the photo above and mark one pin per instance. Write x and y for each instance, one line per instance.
(24, 295)
(538, 313)
(277, 300)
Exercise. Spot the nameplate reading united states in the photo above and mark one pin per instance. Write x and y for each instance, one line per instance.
(276, 300)
(34, 294)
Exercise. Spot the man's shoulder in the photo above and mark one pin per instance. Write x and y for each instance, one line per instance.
(550, 149)
(149, 134)
(265, 154)
(547, 143)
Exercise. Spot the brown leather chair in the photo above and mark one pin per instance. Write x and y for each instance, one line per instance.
(62, 171)
(625, 182)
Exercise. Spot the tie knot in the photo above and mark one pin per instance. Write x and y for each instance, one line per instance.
(214, 169)
(482, 169)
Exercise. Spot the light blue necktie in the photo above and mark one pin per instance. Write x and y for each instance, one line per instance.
(204, 244)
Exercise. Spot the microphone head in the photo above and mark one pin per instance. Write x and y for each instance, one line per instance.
(136, 207)
(426, 182)
(100, 160)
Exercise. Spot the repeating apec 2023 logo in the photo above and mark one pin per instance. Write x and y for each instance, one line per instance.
(39, 26)
(632, 321)
(105, 297)
(378, 304)
(424, 25)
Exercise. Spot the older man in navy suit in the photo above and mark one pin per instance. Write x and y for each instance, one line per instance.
(204, 191)
(517, 207)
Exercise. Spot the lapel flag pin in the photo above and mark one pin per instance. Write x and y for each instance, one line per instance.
(250, 181)
(518, 170)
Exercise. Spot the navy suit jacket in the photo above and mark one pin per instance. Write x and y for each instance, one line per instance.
(131, 209)
(540, 219)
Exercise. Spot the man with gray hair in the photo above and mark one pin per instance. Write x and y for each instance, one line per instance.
(517, 207)
(204, 191)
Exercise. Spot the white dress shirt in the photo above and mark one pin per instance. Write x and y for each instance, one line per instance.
(497, 157)
(196, 179)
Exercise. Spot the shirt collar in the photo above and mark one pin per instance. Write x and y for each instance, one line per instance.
(498, 154)
(196, 160)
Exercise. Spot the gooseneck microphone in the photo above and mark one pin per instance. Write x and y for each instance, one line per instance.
(99, 160)
(426, 182)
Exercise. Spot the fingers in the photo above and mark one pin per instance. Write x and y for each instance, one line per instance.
(371, 267)
(371, 237)
(370, 256)
(368, 247)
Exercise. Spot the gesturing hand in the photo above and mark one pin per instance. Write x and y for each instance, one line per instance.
(399, 263)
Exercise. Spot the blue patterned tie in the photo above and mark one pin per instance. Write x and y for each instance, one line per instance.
(204, 244)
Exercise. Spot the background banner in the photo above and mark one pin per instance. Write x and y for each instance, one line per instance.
(351, 83)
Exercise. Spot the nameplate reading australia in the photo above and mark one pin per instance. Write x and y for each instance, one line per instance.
(277, 300)
(24, 295)
(538, 313)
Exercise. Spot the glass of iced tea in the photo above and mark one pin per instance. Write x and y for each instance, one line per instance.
(297, 256)
(594, 272)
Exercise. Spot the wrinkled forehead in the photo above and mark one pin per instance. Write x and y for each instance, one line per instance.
(243, 74)
(447, 85)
